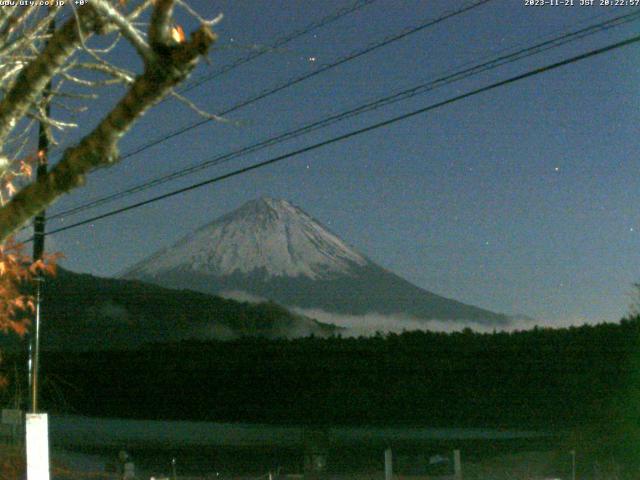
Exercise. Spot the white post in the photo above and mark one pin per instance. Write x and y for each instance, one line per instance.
(457, 465)
(388, 464)
(37, 446)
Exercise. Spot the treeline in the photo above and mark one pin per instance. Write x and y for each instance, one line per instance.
(541, 378)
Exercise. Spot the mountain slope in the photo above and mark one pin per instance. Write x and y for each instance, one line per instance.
(84, 312)
(273, 249)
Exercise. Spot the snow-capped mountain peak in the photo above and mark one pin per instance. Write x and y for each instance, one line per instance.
(271, 249)
(265, 235)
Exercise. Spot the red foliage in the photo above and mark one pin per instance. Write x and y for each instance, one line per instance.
(17, 272)
(178, 35)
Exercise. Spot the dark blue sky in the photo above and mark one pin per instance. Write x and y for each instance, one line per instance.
(521, 200)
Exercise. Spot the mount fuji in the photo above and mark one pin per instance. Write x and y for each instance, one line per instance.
(269, 248)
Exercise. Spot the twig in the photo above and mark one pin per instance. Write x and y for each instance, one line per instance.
(209, 23)
(199, 111)
(125, 27)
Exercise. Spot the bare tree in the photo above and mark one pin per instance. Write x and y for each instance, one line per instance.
(40, 64)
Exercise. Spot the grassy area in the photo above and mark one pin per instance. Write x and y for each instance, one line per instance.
(541, 466)
(12, 462)
(523, 465)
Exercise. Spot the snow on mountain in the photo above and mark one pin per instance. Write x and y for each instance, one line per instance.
(268, 235)
(271, 249)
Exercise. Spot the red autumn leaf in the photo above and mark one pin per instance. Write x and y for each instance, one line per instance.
(25, 168)
(19, 303)
(11, 189)
(37, 267)
(20, 328)
(177, 33)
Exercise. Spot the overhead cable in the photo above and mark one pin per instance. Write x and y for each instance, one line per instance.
(369, 106)
(360, 131)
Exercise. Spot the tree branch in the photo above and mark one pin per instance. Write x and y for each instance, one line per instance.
(159, 29)
(33, 79)
(99, 148)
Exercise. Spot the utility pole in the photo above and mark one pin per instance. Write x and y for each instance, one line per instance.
(38, 250)
(388, 464)
(457, 465)
(37, 424)
(38, 240)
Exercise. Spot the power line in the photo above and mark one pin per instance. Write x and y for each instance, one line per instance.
(360, 131)
(278, 43)
(352, 56)
(338, 14)
(389, 99)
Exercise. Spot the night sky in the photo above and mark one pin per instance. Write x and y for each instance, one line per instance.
(523, 200)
